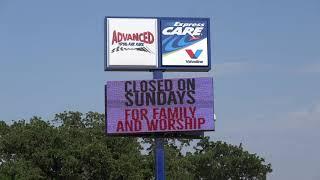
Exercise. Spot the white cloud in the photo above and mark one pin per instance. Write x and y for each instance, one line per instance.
(240, 67)
(311, 68)
(231, 68)
(305, 118)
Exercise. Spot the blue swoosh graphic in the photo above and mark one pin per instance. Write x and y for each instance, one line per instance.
(170, 46)
(173, 43)
(166, 40)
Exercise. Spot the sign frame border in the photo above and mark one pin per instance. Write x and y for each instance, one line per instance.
(161, 67)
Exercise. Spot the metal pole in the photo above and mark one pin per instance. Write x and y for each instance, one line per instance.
(159, 149)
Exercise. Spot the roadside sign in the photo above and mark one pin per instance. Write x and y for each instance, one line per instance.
(157, 43)
(159, 106)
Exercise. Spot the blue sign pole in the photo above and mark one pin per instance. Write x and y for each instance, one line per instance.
(159, 152)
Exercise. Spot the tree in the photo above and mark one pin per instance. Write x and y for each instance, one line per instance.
(76, 149)
(74, 146)
(219, 160)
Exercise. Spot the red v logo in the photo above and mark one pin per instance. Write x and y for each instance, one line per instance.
(193, 55)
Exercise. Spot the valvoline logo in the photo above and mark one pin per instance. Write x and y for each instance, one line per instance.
(180, 33)
(194, 55)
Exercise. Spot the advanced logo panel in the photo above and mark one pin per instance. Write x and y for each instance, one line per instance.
(184, 42)
(132, 43)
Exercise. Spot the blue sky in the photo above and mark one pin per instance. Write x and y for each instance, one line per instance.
(266, 66)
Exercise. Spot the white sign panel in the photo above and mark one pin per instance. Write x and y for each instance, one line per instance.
(132, 42)
(184, 42)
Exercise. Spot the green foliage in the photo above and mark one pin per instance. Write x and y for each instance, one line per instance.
(219, 160)
(74, 146)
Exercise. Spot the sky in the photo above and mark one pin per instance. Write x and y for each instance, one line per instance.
(265, 64)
